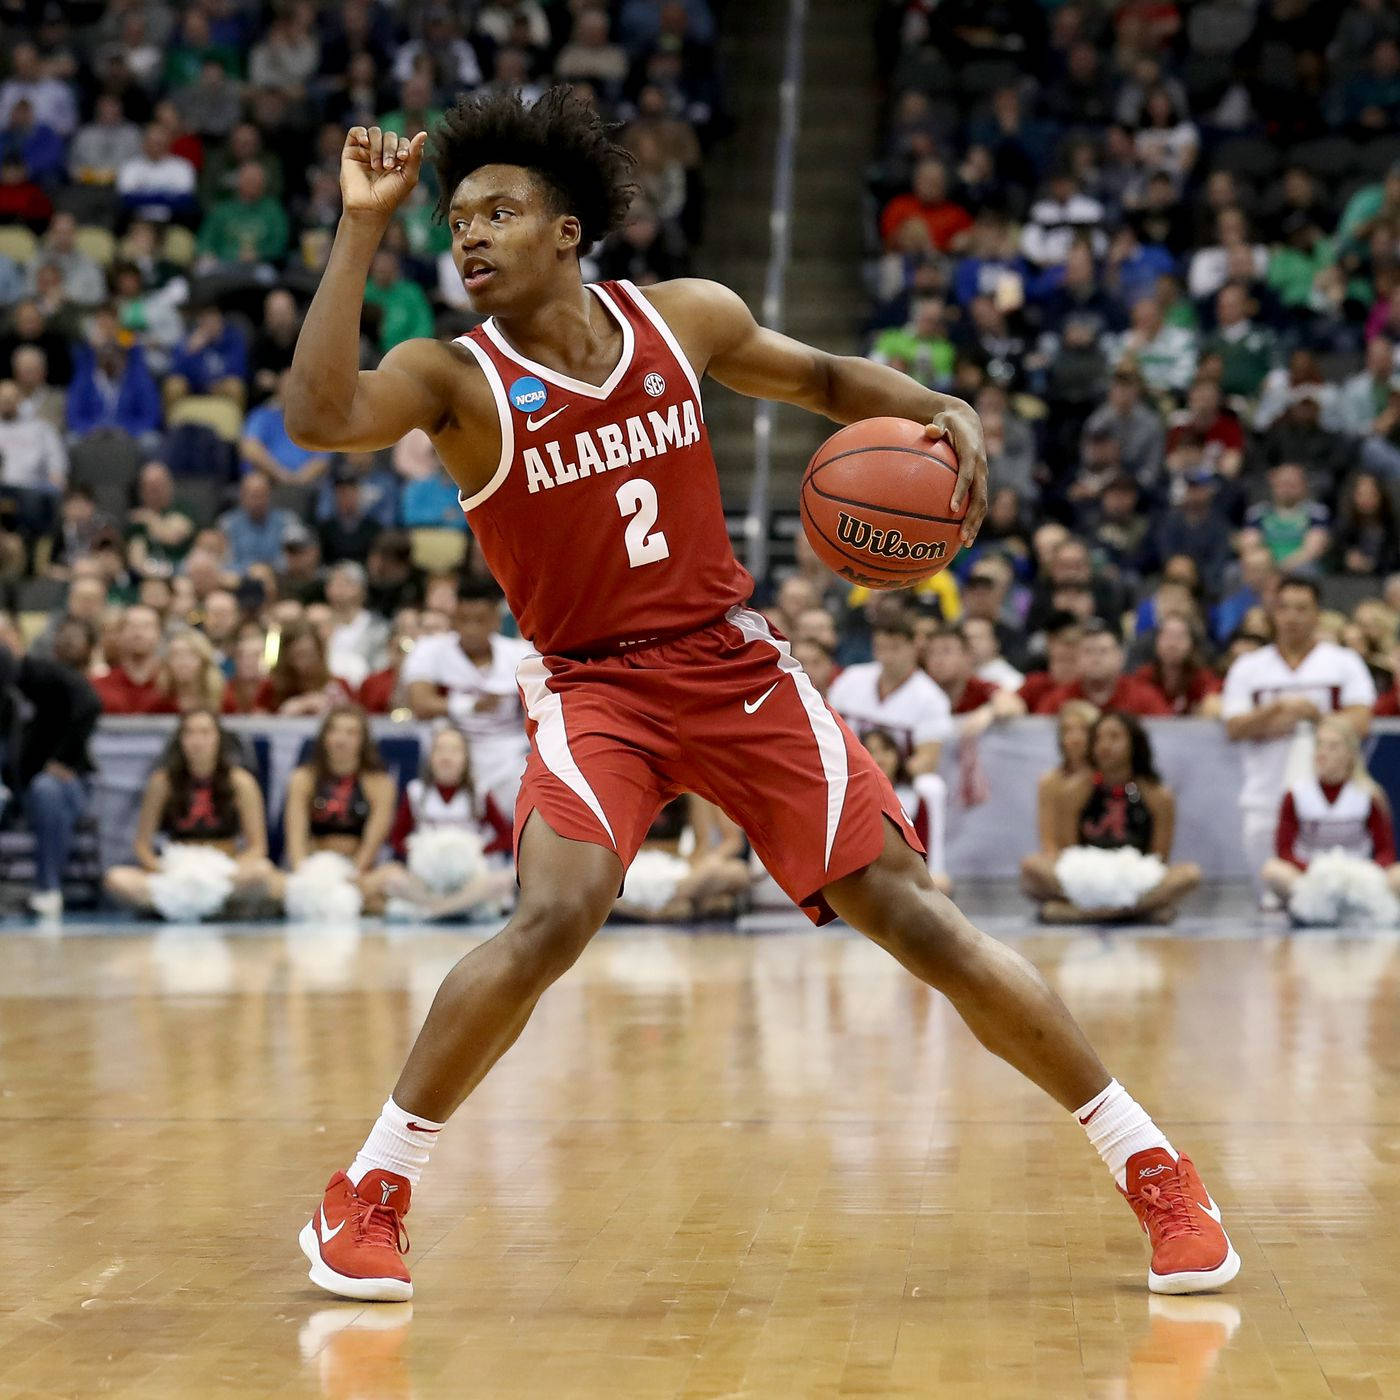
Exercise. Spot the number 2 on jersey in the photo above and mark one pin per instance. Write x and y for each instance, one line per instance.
(637, 498)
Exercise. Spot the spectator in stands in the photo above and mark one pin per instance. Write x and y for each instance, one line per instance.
(341, 800)
(591, 55)
(349, 532)
(1070, 565)
(159, 531)
(1121, 803)
(893, 694)
(211, 359)
(1101, 679)
(357, 636)
(1178, 669)
(987, 659)
(818, 661)
(249, 227)
(83, 282)
(1336, 807)
(1164, 354)
(245, 683)
(38, 399)
(976, 703)
(1299, 436)
(29, 328)
(51, 763)
(468, 676)
(922, 348)
(255, 528)
(135, 685)
(274, 342)
(391, 577)
(402, 307)
(190, 676)
(220, 624)
(1293, 528)
(301, 682)
(112, 386)
(1198, 528)
(644, 250)
(1259, 580)
(946, 220)
(1217, 426)
(265, 446)
(1063, 214)
(104, 144)
(1210, 266)
(22, 201)
(1367, 536)
(199, 794)
(86, 602)
(1246, 350)
(1271, 692)
(33, 464)
(157, 184)
(381, 690)
(53, 101)
(1136, 428)
(1365, 394)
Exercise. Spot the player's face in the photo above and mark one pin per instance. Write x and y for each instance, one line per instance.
(506, 235)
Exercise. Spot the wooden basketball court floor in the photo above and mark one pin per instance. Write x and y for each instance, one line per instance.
(715, 1165)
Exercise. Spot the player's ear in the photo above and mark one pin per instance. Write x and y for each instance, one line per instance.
(570, 232)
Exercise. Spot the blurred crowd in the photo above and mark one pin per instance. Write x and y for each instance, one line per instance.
(168, 194)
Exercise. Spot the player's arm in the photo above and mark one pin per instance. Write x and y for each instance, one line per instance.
(764, 364)
(331, 404)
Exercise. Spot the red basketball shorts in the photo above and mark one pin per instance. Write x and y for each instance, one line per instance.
(724, 712)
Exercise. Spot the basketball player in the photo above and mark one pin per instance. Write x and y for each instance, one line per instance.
(572, 423)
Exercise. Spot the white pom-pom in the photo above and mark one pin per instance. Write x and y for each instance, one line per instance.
(1098, 879)
(652, 878)
(322, 890)
(1339, 889)
(445, 858)
(192, 883)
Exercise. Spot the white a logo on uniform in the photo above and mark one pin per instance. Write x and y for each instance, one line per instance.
(654, 385)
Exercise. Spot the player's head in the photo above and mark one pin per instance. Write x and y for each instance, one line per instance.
(526, 189)
(1295, 611)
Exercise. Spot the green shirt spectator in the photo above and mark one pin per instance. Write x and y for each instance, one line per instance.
(921, 349)
(1294, 265)
(403, 308)
(219, 178)
(1246, 349)
(250, 227)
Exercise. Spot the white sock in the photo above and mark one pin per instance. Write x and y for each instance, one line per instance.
(399, 1142)
(1117, 1126)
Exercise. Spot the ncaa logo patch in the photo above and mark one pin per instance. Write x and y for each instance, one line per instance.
(654, 385)
(527, 394)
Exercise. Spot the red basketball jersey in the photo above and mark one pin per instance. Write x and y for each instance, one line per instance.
(603, 522)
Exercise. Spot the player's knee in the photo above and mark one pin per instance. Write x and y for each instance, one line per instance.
(545, 939)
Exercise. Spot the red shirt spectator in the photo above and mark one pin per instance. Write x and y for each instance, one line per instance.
(133, 686)
(1200, 682)
(1036, 686)
(377, 691)
(928, 202)
(1388, 703)
(1134, 696)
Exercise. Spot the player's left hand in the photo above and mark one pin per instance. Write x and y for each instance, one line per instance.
(962, 428)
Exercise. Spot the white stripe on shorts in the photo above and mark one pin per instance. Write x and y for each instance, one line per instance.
(551, 738)
(831, 745)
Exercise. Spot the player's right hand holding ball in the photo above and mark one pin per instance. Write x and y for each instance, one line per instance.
(378, 169)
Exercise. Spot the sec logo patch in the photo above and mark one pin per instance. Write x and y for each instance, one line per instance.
(654, 385)
(527, 394)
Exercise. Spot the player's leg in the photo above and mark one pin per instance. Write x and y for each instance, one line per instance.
(566, 890)
(1010, 1009)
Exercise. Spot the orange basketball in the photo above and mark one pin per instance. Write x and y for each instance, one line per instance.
(876, 503)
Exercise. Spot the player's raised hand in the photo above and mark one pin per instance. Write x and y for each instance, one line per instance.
(962, 428)
(378, 169)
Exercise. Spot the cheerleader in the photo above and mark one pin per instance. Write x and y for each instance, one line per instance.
(923, 798)
(453, 848)
(706, 874)
(200, 800)
(1335, 808)
(1106, 849)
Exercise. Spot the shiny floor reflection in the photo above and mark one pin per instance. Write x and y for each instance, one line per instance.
(769, 1166)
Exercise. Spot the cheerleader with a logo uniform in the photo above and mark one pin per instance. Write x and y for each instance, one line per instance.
(453, 847)
(1336, 807)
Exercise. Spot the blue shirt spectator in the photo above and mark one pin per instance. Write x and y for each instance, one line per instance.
(379, 491)
(255, 529)
(12, 284)
(431, 504)
(112, 387)
(40, 147)
(215, 350)
(266, 447)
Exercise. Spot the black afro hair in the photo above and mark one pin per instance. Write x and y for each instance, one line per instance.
(560, 139)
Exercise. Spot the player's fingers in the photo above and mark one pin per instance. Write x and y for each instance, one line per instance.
(357, 136)
(391, 150)
(976, 505)
(413, 158)
(376, 148)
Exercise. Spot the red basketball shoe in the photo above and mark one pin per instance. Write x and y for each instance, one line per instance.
(356, 1241)
(1191, 1253)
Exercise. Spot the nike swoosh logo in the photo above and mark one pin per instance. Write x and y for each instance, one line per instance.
(535, 424)
(418, 1128)
(327, 1234)
(1211, 1210)
(751, 705)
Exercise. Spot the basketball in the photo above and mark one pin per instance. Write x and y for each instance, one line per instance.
(876, 503)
